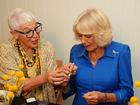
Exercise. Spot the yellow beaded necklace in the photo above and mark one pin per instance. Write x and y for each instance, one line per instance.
(29, 62)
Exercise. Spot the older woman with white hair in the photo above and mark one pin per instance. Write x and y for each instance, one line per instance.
(27, 64)
(104, 74)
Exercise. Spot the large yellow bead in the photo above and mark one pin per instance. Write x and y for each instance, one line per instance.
(21, 66)
(21, 79)
(6, 86)
(10, 94)
(6, 77)
(19, 74)
(133, 99)
(13, 88)
(12, 73)
(137, 83)
(135, 104)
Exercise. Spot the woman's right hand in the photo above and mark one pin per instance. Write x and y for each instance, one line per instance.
(56, 77)
(94, 97)
(60, 75)
(53, 77)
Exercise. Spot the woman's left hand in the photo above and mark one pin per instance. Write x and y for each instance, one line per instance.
(94, 97)
(70, 69)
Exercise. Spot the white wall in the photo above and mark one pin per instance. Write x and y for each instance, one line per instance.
(58, 16)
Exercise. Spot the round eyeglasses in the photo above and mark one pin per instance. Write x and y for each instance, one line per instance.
(30, 33)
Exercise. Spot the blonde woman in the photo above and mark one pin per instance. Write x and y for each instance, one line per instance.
(104, 74)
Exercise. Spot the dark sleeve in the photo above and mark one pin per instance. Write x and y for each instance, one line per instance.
(125, 90)
(71, 86)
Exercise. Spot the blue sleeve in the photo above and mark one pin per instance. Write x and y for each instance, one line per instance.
(71, 87)
(125, 90)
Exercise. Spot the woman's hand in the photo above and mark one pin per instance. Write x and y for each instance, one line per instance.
(56, 77)
(70, 69)
(63, 73)
(94, 97)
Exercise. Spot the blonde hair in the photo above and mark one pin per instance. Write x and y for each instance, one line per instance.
(94, 22)
(19, 16)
